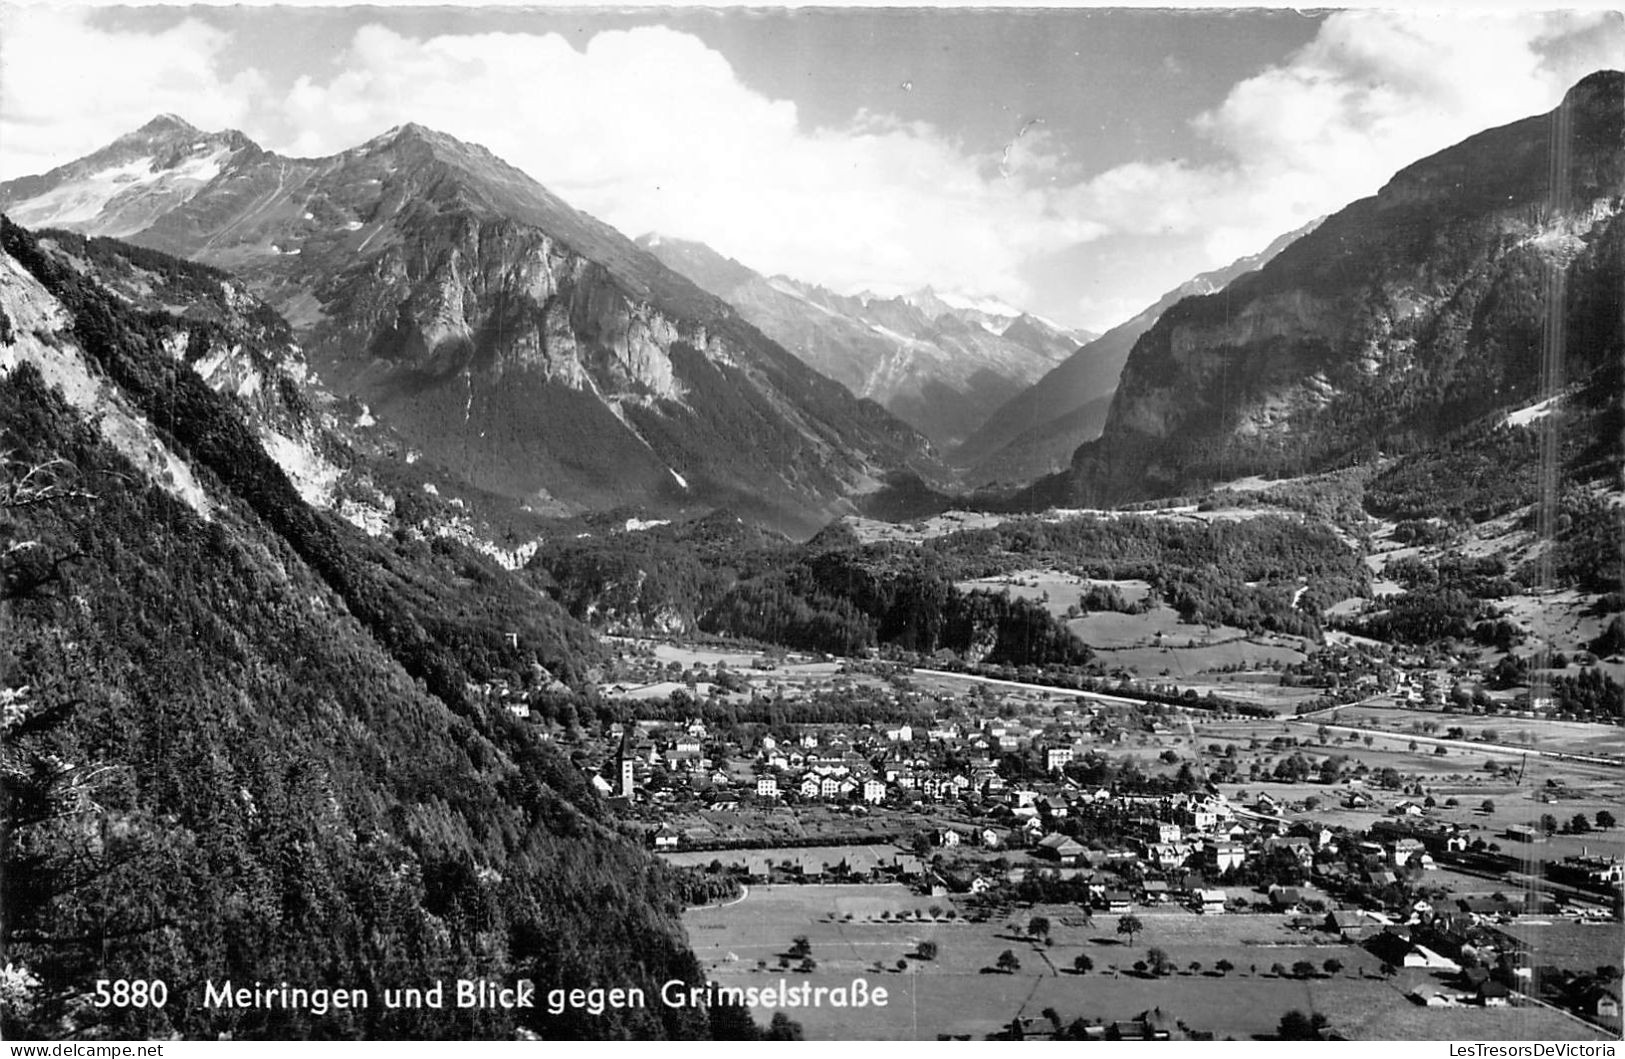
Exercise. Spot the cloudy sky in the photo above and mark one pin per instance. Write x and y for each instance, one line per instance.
(1077, 163)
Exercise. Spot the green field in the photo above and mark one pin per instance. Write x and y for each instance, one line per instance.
(1572, 737)
(1058, 591)
(1157, 642)
(956, 993)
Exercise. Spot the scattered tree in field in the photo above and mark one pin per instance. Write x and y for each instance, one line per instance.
(1008, 962)
(1038, 927)
(1196, 967)
(1303, 969)
(809, 965)
(800, 946)
(1278, 970)
(1488, 806)
(1224, 967)
(1082, 964)
(936, 911)
(927, 950)
(783, 1028)
(902, 964)
(1130, 925)
(1296, 1026)
(1605, 819)
(1333, 965)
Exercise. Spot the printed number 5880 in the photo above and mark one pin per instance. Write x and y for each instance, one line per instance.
(139, 993)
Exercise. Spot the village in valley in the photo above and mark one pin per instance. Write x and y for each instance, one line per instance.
(1012, 857)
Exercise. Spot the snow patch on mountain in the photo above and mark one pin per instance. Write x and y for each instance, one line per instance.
(80, 201)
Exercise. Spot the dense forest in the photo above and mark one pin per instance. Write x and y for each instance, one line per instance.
(835, 594)
(240, 746)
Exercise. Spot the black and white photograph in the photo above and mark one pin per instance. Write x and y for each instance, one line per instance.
(853, 523)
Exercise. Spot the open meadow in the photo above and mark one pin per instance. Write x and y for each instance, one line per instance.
(875, 933)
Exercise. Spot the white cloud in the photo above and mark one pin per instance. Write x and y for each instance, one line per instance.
(1373, 92)
(65, 85)
(650, 129)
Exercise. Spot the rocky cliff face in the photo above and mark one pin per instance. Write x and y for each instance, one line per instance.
(1037, 431)
(530, 348)
(1401, 318)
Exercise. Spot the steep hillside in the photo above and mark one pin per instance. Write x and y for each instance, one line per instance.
(942, 366)
(1036, 432)
(528, 347)
(1482, 278)
(245, 740)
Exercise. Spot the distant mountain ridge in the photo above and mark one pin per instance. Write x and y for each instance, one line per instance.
(941, 363)
(529, 347)
(1036, 432)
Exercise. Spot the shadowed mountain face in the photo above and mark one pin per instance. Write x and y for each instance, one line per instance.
(1401, 318)
(940, 364)
(1036, 432)
(525, 345)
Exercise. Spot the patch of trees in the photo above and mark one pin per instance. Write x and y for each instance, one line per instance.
(844, 602)
(1491, 474)
(1590, 695)
(1427, 615)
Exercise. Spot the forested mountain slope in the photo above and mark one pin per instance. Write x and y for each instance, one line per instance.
(245, 740)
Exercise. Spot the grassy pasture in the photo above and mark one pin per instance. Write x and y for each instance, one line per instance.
(956, 994)
(1574, 737)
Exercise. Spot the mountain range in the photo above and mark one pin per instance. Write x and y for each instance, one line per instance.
(942, 364)
(1402, 318)
(1036, 432)
(278, 433)
(528, 347)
